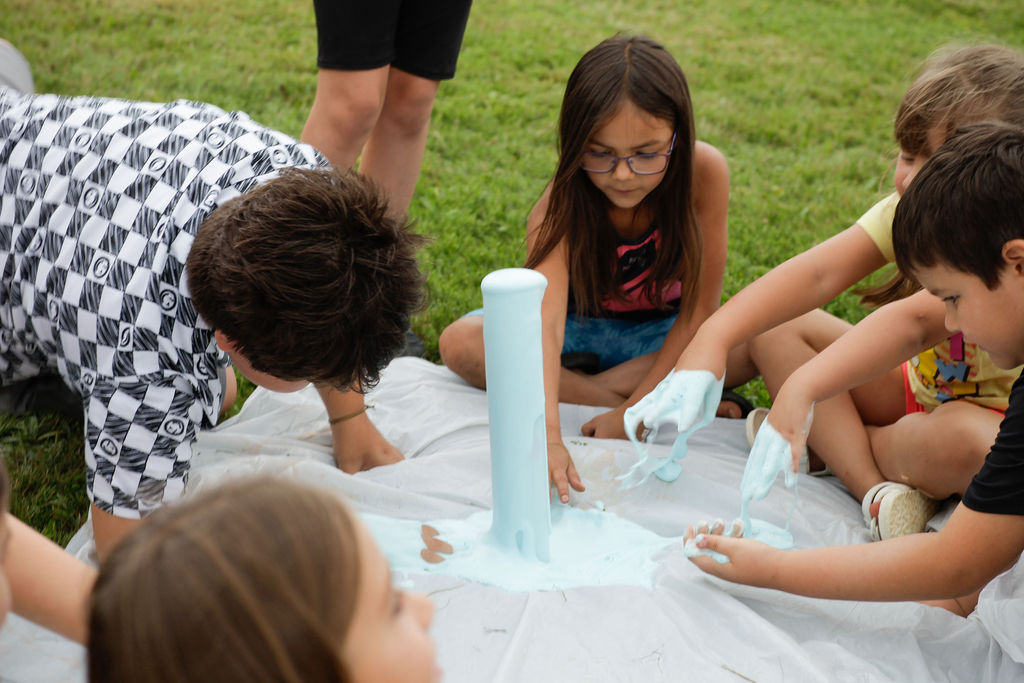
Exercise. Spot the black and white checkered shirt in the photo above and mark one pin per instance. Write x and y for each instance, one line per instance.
(100, 200)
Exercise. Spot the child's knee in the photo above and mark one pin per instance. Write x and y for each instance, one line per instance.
(970, 429)
(354, 116)
(779, 337)
(461, 345)
(410, 101)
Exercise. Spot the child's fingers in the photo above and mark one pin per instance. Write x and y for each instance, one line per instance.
(574, 477)
(718, 544)
(737, 529)
(717, 527)
(561, 483)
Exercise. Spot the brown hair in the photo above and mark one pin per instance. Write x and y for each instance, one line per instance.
(956, 86)
(965, 204)
(309, 276)
(253, 581)
(620, 69)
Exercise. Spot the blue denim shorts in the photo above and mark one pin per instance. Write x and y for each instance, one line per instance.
(613, 340)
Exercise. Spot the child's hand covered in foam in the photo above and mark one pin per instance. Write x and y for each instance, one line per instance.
(728, 555)
(687, 398)
(790, 421)
(770, 455)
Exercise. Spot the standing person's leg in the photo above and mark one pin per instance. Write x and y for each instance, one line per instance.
(394, 151)
(355, 48)
(344, 113)
(380, 67)
(427, 41)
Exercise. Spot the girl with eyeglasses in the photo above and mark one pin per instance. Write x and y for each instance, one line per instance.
(631, 236)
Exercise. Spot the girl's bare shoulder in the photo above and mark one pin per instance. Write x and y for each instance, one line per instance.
(708, 161)
(710, 179)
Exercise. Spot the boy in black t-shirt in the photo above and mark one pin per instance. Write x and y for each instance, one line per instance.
(959, 231)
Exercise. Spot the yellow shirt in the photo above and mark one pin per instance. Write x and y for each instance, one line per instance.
(953, 369)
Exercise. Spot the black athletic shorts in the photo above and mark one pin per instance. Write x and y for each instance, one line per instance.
(420, 37)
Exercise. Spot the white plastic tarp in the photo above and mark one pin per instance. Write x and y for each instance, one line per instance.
(687, 627)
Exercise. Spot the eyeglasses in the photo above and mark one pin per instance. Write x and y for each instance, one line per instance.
(641, 164)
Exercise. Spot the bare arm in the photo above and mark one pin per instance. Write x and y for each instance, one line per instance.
(875, 345)
(971, 550)
(48, 586)
(554, 267)
(801, 284)
(357, 443)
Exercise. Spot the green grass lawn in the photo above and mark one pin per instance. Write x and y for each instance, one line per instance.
(799, 96)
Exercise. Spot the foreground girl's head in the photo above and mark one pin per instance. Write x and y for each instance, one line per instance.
(627, 96)
(259, 580)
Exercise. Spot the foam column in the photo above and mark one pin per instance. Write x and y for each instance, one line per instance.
(515, 404)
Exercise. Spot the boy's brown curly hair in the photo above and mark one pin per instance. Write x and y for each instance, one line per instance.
(309, 276)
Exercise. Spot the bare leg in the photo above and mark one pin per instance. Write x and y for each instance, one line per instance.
(624, 378)
(580, 388)
(394, 152)
(838, 435)
(461, 346)
(344, 113)
(739, 366)
(462, 349)
(938, 452)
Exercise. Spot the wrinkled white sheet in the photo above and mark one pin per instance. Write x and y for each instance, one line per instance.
(689, 627)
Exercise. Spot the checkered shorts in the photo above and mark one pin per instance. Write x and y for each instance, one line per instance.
(100, 200)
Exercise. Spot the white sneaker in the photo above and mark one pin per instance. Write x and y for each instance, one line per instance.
(754, 419)
(902, 510)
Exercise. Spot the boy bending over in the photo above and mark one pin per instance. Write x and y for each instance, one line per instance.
(145, 248)
(959, 231)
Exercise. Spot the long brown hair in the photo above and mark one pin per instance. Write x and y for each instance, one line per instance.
(254, 581)
(956, 86)
(620, 69)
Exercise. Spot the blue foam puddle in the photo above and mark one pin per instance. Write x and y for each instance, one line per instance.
(588, 548)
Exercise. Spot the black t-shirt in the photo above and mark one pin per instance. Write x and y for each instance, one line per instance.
(999, 487)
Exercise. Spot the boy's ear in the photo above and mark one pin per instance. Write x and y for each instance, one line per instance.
(1013, 255)
(224, 342)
